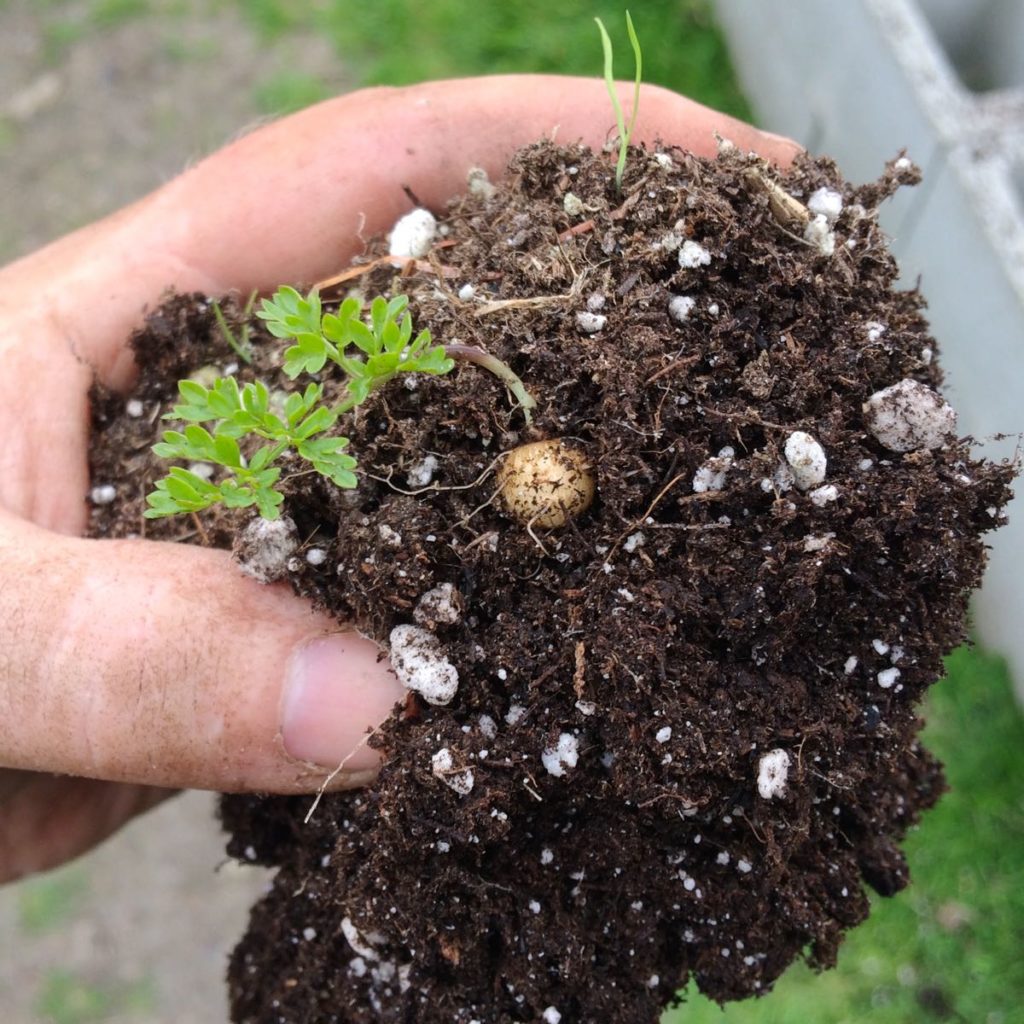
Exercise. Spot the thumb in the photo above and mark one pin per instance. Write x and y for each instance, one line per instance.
(160, 663)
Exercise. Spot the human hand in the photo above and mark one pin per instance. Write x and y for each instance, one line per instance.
(127, 667)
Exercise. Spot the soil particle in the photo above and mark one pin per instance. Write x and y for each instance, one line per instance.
(673, 701)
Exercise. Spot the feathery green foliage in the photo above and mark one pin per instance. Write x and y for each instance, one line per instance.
(239, 419)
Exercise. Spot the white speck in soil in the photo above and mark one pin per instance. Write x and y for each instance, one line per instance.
(827, 203)
(103, 494)
(909, 416)
(564, 754)
(820, 235)
(264, 546)
(392, 538)
(442, 764)
(440, 605)
(692, 255)
(590, 323)
(821, 496)
(421, 473)
(421, 665)
(412, 234)
(680, 307)
(772, 773)
(514, 713)
(806, 460)
(887, 677)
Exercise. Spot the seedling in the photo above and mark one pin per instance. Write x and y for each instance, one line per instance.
(625, 133)
(241, 345)
(369, 354)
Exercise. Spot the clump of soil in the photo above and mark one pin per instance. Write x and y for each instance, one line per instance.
(684, 737)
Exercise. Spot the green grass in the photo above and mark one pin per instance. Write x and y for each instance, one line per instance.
(49, 901)
(912, 962)
(401, 41)
(66, 998)
(287, 91)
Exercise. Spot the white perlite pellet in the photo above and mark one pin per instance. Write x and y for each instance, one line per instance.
(827, 203)
(551, 1016)
(412, 234)
(442, 765)
(711, 475)
(850, 665)
(479, 184)
(744, 867)
(909, 416)
(514, 713)
(134, 408)
(806, 460)
(590, 323)
(421, 473)
(772, 773)
(439, 605)
(466, 292)
(572, 204)
(563, 755)
(680, 307)
(820, 235)
(664, 734)
(392, 538)
(419, 662)
(821, 496)
(633, 541)
(693, 255)
(814, 543)
(887, 677)
(264, 547)
(103, 494)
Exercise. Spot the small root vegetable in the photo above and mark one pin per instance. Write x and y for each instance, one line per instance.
(545, 483)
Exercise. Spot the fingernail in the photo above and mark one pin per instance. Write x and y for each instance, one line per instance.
(336, 690)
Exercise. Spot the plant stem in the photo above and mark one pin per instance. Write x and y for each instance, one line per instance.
(477, 356)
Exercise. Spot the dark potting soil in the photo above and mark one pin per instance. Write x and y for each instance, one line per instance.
(599, 835)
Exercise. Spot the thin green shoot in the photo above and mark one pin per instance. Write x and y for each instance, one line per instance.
(625, 132)
(241, 346)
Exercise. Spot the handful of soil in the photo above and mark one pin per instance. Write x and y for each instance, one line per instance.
(684, 736)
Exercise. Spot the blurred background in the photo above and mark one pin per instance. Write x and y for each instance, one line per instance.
(103, 100)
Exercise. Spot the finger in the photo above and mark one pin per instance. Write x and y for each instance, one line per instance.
(154, 663)
(292, 200)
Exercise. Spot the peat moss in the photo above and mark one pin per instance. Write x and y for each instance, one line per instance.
(671, 635)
